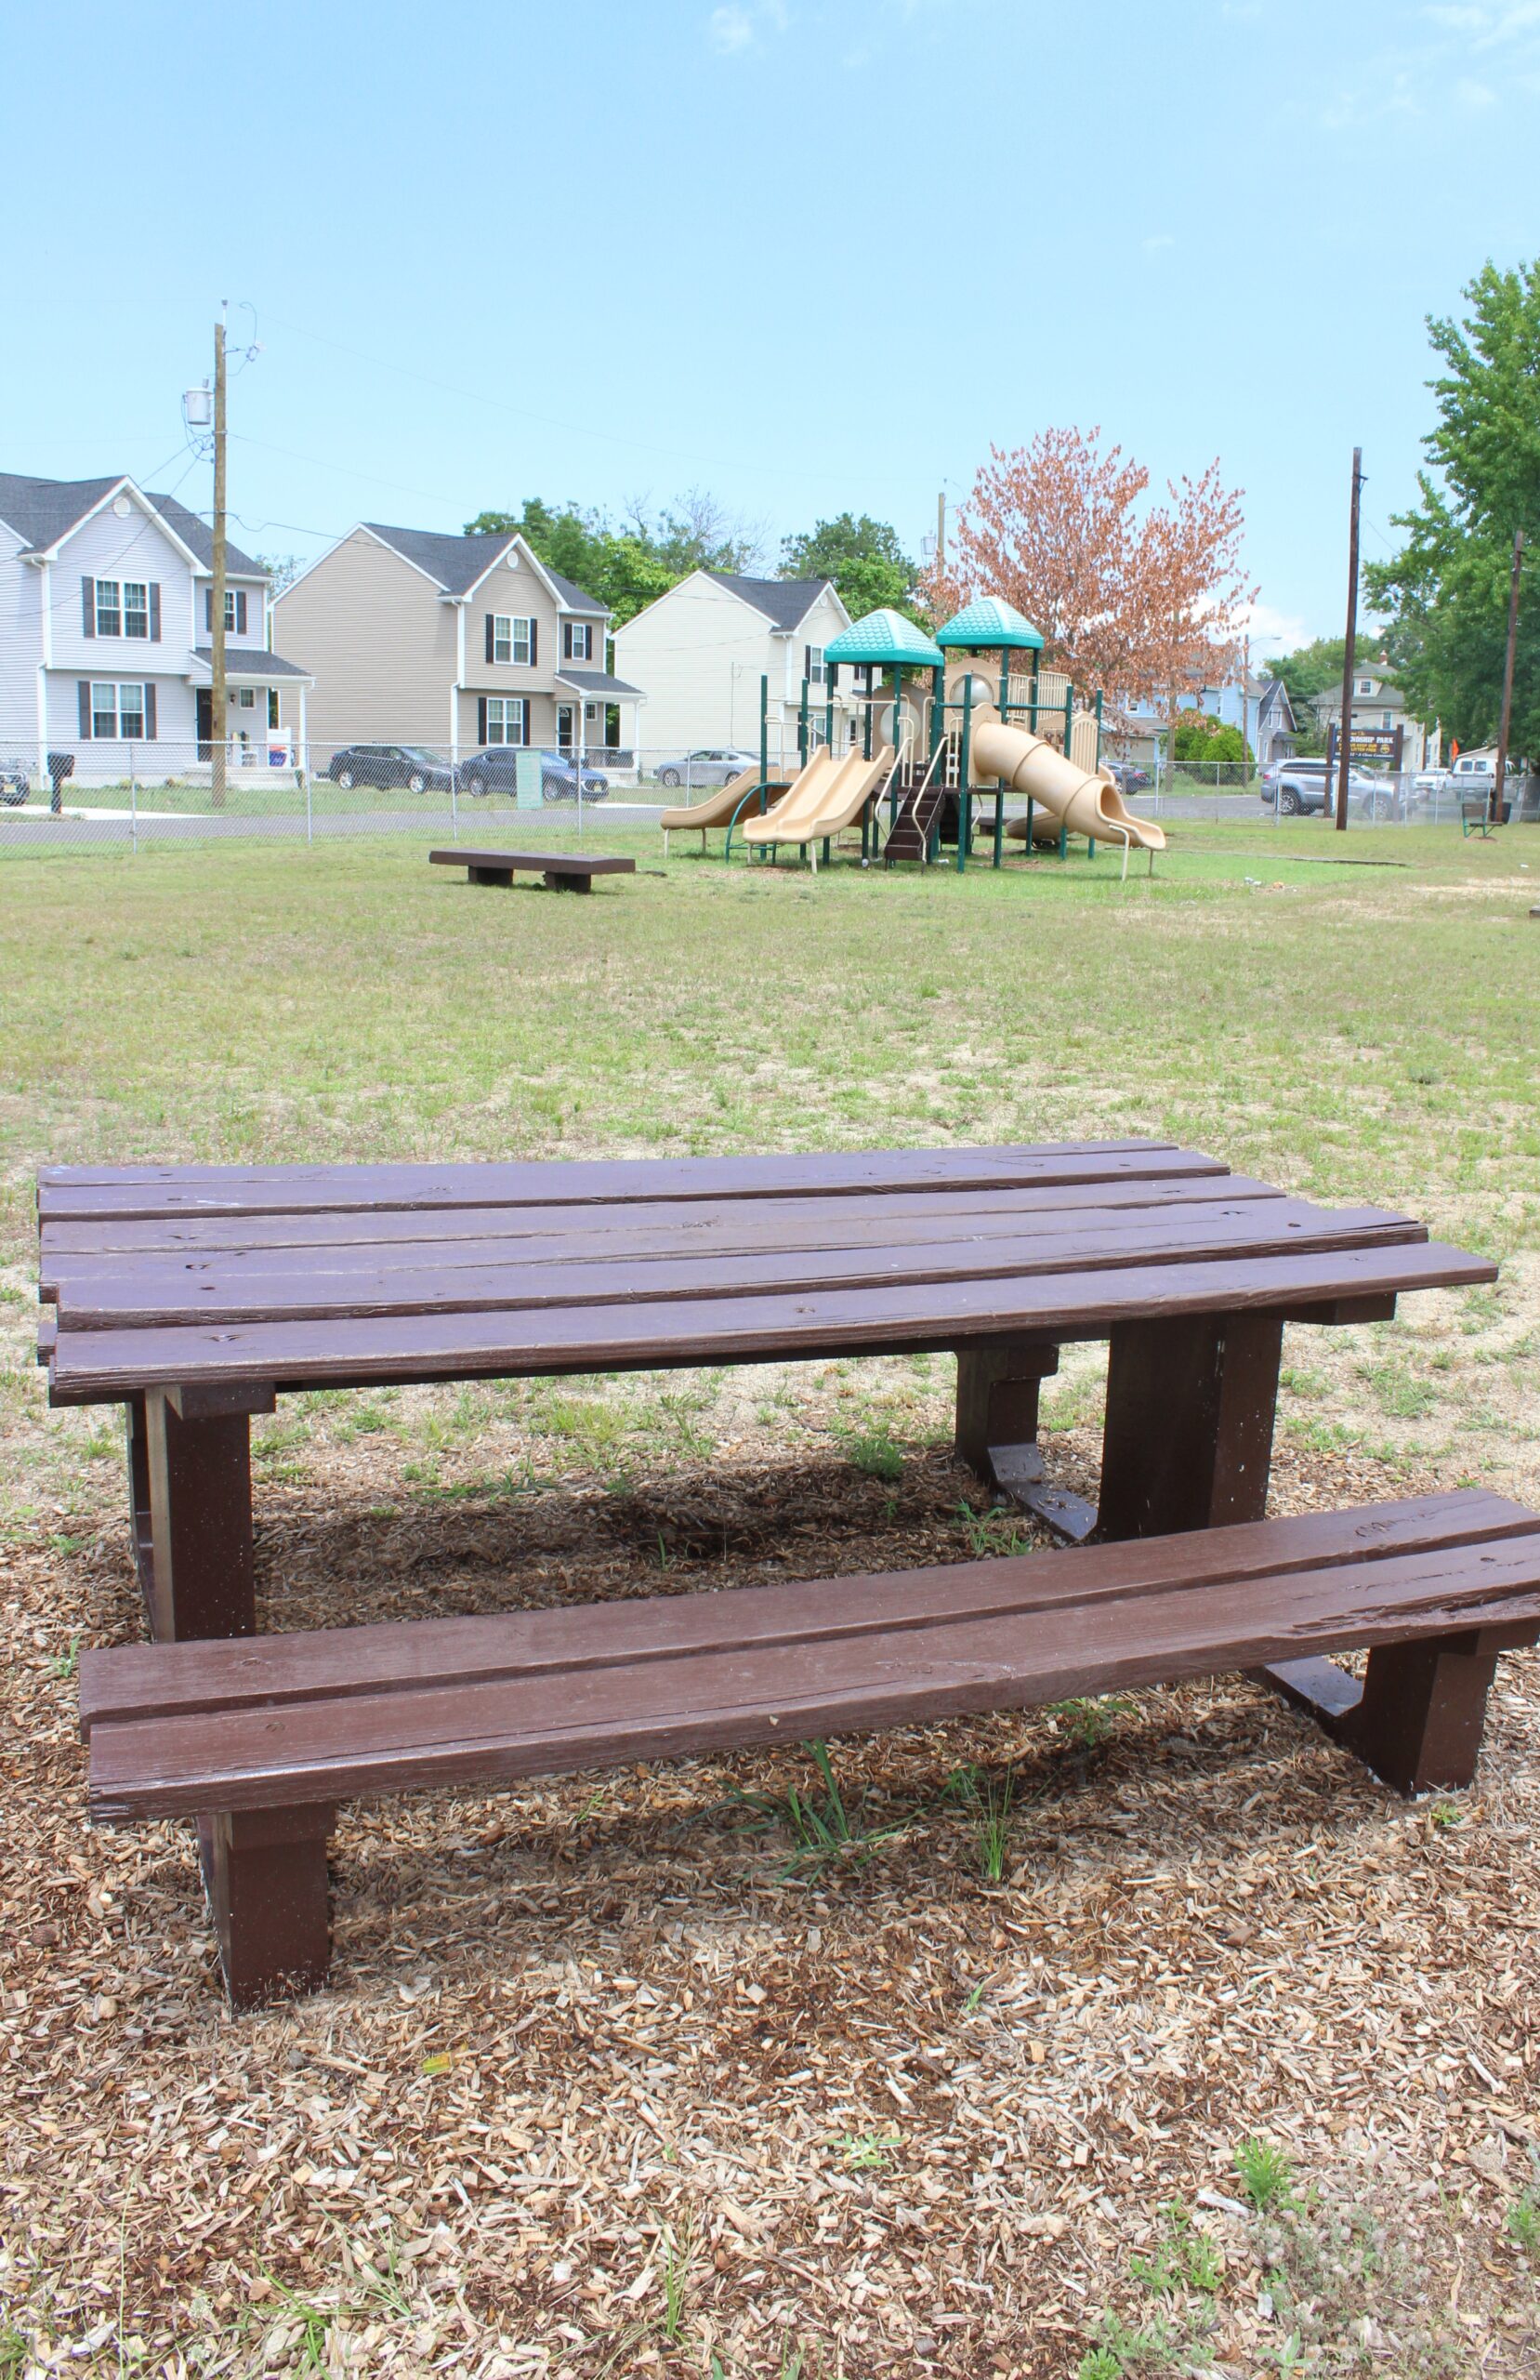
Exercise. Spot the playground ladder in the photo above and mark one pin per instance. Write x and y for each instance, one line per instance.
(924, 792)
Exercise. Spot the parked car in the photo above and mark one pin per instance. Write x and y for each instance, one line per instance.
(383, 765)
(495, 770)
(718, 765)
(1298, 788)
(1127, 777)
(15, 784)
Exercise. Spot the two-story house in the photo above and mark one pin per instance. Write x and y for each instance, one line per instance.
(456, 642)
(703, 649)
(1378, 702)
(106, 634)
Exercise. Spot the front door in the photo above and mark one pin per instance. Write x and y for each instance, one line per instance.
(205, 722)
(565, 726)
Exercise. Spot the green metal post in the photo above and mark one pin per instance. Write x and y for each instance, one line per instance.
(829, 669)
(1000, 786)
(1036, 665)
(764, 744)
(893, 773)
(802, 726)
(866, 724)
(965, 798)
(938, 704)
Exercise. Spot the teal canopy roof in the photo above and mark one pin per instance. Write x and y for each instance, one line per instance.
(989, 622)
(885, 637)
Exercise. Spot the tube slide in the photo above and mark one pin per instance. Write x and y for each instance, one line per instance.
(717, 809)
(1086, 805)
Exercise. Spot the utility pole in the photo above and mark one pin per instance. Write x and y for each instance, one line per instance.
(218, 698)
(1344, 742)
(1507, 678)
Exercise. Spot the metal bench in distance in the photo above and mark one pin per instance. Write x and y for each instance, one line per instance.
(261, 1737)
(563, 871)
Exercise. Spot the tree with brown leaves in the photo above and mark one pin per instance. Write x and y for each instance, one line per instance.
(1142, 602)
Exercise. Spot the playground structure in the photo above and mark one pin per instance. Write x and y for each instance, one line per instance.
(926, 757)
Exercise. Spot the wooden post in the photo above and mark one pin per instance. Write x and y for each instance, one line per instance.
(1188, 1443)
(198, 1472)
(997, 1391)
(1344, 750)
(266, 1875)
(1500, 778)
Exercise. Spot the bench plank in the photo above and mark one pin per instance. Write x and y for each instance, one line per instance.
(664, 1333)
(140, 1295)
(700, 1697)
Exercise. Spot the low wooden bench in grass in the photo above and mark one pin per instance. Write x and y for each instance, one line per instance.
(262, 1737)
(563, 871)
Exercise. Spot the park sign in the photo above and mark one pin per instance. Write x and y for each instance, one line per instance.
(1376, 744)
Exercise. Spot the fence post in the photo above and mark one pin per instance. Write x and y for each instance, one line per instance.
(133, 804)
(305, 772)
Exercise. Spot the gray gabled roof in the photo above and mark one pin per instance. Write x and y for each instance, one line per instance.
(252, 661)
(786, 600)
(594, 684)
(45, 510)
(455, 564)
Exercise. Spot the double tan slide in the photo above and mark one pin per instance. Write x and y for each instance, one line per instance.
(1077, 797)
(832, 801)
(718, 808)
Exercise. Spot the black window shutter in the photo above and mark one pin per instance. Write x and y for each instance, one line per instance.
(149, 710)
(523, 722)
(154, 611)
(481, 707)
(491, 648)
(807, 661)
(88, 606)
(535, 643)
(209, 609)
(85, 709)
(240, 610)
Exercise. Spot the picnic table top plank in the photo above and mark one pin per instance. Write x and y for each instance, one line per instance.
(481, 1234)
(226, 1674)
(780, 1326)
(162, 1191)
(703, 1687)
(140, 1295)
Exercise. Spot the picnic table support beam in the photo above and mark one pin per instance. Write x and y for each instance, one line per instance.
(1188, 1443)
(265, 1872)
(140, 1522)
(198, 1471)
(996, 1430)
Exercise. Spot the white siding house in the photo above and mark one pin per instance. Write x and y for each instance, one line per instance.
(703, 649)
(106, 625)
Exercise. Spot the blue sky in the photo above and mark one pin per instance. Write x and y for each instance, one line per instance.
(809, 254)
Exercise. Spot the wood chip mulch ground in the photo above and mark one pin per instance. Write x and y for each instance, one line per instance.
(609, 2082)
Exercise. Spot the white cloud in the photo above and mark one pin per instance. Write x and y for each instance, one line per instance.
(730, 30)
(1471, 94)
(1157, 240)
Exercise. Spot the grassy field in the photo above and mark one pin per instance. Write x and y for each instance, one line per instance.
(562, 1985)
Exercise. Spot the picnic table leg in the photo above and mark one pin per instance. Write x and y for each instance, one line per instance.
(1188, 1444)
(199, 1479)
(141, 1526)
(265, 1873)
(996, 1429)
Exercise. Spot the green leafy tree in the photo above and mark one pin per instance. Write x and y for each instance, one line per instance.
(1202, 739)
(1446, 590)
(627, 565)
(865, 560)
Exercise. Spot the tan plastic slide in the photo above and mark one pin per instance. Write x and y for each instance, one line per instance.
(839, 801)
(1078, 799)
(801, 802)
(717, 808)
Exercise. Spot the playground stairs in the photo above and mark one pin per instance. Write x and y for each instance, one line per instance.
(921, 794)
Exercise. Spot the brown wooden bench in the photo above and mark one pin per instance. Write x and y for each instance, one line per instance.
(563, 871)
(262, 1737)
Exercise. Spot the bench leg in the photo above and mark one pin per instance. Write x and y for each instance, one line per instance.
(266, 1876)
(560, 880)
(1417, 1718)
(490, 875)
(200, 1499)
(1190, 1412)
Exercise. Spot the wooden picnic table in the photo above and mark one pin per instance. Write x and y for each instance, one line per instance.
(563, 871)
(194, 1296)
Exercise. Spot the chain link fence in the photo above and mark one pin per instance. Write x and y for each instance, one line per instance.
(135, 790)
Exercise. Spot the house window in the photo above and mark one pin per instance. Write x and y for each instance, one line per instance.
(577, 640)
(108, 616)
(235, 611)
(135, 607)
(816, 665)
(1365, 686)
(510, 640)
(273, 706)
(508, 719)
(116, 711)
(1385, 719)
(249, 699)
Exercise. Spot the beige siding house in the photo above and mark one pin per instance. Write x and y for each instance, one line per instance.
(702, 650)
(453, 642)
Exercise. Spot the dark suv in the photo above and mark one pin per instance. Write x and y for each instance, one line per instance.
(384, 765)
